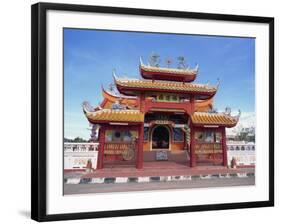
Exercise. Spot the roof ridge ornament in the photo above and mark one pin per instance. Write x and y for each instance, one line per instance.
(182, 63)
(196, 68)
(141, 62)
(114, 75)
(154, 60)
(87, 108)
(218, 83)
(227, 111)
(238, 115)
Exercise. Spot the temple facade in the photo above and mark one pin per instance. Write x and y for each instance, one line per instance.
(161, 116)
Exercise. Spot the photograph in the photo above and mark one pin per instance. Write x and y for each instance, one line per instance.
(156, 111)
(148, 111)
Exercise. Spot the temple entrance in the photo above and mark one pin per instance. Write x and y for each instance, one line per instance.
(161, 137)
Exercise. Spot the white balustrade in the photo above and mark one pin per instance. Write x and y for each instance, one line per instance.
(78, 155)
(244, 153)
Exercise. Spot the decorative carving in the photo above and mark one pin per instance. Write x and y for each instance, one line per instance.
(181, 62)
(87, 106)
(154, 60)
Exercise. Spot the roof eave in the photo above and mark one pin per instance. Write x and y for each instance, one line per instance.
(125, 90)
(167, 75)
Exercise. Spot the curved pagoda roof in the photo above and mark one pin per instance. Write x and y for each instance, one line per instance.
(132, 101)
(110, 115)
(172, 74)
(214, 119)
(133, 86)
(110, 98)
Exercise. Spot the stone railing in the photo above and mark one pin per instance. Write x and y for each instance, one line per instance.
(80, 147)
(243, 153)
(80, 156)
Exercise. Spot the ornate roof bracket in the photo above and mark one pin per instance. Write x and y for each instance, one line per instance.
(238, 115)
(218, 83)
(196, 69)
(141, 63)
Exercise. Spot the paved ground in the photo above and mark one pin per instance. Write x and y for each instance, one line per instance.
(108, 187)
(162, 168)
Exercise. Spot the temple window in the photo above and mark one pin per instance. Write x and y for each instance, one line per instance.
(218, 137)
(108, 136)
(116, 136)
(208, 137)
(174, 98)
(145, 133)
(178, 135)
(199, 136)
(127, 136)
(160, 97)
(120, 136)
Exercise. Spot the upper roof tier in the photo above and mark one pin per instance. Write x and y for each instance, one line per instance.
(132, 101)
(172, 74)
(135, 86)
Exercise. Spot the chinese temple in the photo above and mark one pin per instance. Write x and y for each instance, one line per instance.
(161, 116)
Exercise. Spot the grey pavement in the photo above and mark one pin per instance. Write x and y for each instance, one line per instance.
(125, 187)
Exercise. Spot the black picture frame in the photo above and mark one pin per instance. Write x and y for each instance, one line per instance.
(39, 114)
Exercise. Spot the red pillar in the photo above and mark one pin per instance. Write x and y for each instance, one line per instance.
(101, 147)
(192, 147)
(142, 103)
(224, 147)
(192, 104)
(139, 159)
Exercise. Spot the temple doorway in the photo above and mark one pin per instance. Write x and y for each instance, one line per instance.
(161, 137)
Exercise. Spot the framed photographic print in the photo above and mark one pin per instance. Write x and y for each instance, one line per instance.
(139, 111)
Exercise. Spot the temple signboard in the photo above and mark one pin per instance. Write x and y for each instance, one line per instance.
(162, 155)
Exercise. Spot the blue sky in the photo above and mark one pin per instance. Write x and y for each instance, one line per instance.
(91, 55)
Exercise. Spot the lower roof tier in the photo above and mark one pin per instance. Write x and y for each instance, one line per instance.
(109, 115)
(135, 116)
(214, 119)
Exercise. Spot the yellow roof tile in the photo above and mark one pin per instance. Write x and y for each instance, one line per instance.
(190, 72)
(110, 115)
(165, 85)
(221, 119)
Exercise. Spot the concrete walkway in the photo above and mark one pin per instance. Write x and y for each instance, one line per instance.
(162, 168)
(154, 171)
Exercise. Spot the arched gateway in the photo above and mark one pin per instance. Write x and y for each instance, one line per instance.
(160, 137)
(164, 110)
